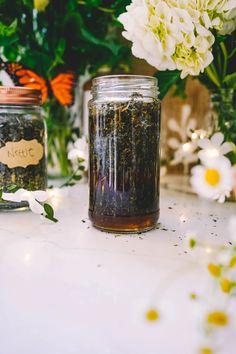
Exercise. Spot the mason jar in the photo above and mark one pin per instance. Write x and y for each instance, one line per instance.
(22, 142)
(124, 138)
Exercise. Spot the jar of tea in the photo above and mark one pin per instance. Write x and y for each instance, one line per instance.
(124, 137)
(22, 141)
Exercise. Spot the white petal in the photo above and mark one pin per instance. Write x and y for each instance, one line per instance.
(173, 125)
(41, 196)
(20, 195)
(204, 143)
(173, 143)
(225, 148)
(11, 197)
(217, 138)
(73, 154)
(35, 206)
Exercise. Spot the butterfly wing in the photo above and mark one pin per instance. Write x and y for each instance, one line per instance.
(63, 88)
(25, 77)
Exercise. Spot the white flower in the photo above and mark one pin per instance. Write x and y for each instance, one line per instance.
(178, 34)
(79, 150)
(185, 150)
(34, 198)
(214, 180)
(214, 147)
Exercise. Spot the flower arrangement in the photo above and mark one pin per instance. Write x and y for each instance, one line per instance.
(51, 37)
(180, 35)
(193, 38)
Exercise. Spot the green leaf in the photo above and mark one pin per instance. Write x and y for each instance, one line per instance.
(12, 188)
(77, 178)
(230, 80)
(166, 79)
(49, 212)
(180, 89)
(1, 192)
(111, 45)
(8, 30)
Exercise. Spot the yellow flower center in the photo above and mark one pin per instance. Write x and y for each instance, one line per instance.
(232, 262)
(152, 315)
(215, 270)
(218, 318)
(225, 285)
(206, 350)
(212, 177)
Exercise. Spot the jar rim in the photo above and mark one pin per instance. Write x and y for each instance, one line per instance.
(17, 95)
(111, 84)
(123, 77)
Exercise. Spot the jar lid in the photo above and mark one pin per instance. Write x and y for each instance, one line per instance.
(19, 95)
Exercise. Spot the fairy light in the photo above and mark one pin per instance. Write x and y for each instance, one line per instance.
(208, 250)
(186, 147)
(194, 136)
(198, 134)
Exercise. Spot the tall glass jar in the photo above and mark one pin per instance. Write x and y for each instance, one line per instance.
(124, 119)
(22, 142)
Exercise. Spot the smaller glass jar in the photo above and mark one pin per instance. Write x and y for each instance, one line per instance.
(22, 142)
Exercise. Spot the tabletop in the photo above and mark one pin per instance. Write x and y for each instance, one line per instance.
(67, 288)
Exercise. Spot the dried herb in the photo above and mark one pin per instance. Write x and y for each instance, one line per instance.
(14, 127)
(124, 163)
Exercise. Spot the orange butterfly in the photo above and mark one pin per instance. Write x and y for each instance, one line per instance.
(61, 86)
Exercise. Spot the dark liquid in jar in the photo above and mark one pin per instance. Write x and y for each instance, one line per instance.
(124, 164)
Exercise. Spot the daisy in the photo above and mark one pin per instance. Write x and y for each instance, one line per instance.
(214, 147)
(214, 179)
(34, 198)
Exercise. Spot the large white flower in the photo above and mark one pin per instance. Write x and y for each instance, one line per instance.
(34, 198)
(214, 147)
(213, 180)
(177, 34)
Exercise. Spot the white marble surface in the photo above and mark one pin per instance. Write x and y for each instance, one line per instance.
(67, 288)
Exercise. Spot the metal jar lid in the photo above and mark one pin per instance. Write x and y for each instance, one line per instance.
(19, 96)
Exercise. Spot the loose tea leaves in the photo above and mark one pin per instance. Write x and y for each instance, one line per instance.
(124, 159)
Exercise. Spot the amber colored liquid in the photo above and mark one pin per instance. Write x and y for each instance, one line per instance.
(125, 224)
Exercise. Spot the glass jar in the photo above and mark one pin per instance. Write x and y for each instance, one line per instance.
(124, 119)
(22, 142)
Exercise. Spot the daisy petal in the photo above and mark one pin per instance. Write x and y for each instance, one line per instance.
(204, 143)
(173, 125)
(225, 148)
(217, 139)
(173, 143)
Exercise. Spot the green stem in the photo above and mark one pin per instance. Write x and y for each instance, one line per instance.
(70, 179)
(225, 55)
(213, 76)
(103, 9)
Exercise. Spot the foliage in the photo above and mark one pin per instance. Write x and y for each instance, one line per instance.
(67, 35)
